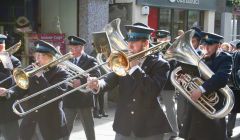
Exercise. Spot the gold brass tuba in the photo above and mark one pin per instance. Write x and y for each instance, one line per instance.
(183, 51)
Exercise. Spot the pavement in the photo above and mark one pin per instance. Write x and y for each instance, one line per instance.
(103, 127)
(104, 131)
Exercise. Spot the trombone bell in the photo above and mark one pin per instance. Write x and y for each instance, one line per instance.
(21, 78)
(119, 63)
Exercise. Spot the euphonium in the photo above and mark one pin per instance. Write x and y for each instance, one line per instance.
(183, 51)
(116, 41)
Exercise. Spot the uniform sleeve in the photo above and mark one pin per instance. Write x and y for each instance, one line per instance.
(109, 82)
(59, 77)
(93, 73)
(153, 83)
(16, 93)
(221, 76)
(16, 63)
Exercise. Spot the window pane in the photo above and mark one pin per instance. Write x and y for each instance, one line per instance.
(165, 19)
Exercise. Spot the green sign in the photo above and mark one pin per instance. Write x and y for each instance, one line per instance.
(181, 4)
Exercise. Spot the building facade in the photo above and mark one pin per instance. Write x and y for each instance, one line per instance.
(173, 15)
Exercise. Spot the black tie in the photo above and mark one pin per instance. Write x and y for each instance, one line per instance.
(75, 61)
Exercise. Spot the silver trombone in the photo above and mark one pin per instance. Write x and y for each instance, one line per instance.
(119, 63)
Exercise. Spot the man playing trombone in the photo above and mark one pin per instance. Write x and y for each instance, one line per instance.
(138, 115)
(9, 127)
(50, 119)
(79, 103)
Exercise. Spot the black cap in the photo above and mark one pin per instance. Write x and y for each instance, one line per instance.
(2, 38)
(44, 47)
(138, 31)
(211, 38)
(162, 33)
(198, 32)
(235, 43)
(74, 40)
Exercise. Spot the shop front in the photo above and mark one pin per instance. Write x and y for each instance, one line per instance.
(174, 15)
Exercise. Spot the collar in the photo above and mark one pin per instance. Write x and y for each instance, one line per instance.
(79, 57)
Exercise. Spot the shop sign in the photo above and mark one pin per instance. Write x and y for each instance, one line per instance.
(181, 4)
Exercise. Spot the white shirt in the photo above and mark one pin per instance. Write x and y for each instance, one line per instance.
(78, 58)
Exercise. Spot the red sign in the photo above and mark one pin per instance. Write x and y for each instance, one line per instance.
(55, 39)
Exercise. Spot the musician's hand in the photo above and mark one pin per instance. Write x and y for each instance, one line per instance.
(36, 65)
(196, 94)
(76, 83)
(93, 83)
(3, 92)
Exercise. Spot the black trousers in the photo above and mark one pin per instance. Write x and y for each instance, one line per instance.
(201, 127)
(10, 130)
(86, 119)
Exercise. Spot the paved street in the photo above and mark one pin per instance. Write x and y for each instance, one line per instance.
(103, 128)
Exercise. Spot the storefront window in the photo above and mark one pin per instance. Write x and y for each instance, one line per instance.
(193, 19)
(179, 21)
(238, 27)
(217, 27)
(165, 19)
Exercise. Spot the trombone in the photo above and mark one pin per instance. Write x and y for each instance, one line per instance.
(11, 51)
(21, 77)
(119, 63)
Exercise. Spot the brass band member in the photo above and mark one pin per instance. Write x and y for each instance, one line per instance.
(234, 87)
(80, 103)
(8, 120)
(182, 103)
(50, 119)
(138, 115)
(201, 127)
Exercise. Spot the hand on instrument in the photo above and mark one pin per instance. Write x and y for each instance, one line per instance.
(196, 94)
(93, 83)
(76, 83)
(40, 73)
(3, 92)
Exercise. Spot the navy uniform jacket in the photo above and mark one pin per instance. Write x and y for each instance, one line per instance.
(201, 127)
(138, 109)
(221, 65)
(6, 105)
(51, 118)
(236, 90)
(79, 99)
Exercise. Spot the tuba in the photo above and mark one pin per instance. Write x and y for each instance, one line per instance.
(116, 41)
(183, 51)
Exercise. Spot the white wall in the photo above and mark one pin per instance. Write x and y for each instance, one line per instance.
(209, 21)
(226, 26)
(66, 10)
(136, 14)
(136, 11)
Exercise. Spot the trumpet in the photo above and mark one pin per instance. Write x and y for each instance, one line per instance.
(22, 78)
(11, 51)
(118, 62)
